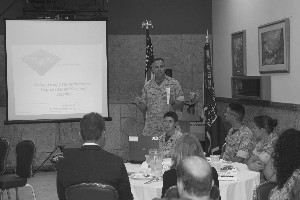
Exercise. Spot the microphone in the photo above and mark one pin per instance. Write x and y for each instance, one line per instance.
(60, 147)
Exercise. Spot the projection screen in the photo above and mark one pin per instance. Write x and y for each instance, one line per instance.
(56, 70)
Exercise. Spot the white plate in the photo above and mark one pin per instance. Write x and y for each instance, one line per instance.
(229, 168)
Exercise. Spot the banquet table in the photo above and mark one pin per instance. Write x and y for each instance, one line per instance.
(242, 189)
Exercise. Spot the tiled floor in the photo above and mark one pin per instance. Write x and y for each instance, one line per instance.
(44, 184)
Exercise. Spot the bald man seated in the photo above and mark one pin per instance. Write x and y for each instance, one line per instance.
(194, 179)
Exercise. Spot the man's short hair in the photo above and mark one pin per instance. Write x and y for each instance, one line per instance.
(194, 185)
(157, 59)
(91, 126)
(171, 114)
(238, 108)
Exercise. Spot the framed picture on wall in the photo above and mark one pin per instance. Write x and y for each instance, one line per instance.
(274, 47)
(238, 52)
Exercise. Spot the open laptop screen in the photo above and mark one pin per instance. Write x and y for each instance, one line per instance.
(139, 147)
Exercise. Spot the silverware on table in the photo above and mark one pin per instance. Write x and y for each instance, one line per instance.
(155, 179)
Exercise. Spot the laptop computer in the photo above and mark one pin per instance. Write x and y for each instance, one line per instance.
(139, 147)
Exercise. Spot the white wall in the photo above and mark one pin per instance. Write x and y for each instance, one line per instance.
(229, 16)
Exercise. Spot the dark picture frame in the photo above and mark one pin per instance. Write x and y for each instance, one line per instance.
(238, 53)
(274, 47)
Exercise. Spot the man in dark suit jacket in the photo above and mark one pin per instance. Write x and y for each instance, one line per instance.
(194, 179)
(90, 163)
(170, 179)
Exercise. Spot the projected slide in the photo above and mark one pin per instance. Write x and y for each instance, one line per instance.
(56, 80)
(48, 79)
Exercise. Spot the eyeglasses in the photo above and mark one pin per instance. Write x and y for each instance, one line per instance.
(230, 113)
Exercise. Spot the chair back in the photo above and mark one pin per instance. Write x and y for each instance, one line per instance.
(172, 192)
(215, 193)
(223, 148)
(25, 151)
(4, 148)
(91, 191)
(263, 190)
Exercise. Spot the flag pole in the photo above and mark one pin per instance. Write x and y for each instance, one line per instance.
(149, 51)
(209, 104)
(203, 107)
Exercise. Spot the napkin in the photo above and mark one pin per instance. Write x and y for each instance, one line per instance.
(227, 177)
(144, 166)
(166, 164)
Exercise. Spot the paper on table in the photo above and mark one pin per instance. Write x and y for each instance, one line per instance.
(209, 160)
(168, 91)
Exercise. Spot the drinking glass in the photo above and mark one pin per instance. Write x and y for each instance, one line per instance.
(215, 158)
(156, 158)
(147, 159)
(215, 162)
(158, 164)
(152, 153)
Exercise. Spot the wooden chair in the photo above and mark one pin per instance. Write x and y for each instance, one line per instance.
(91, 191)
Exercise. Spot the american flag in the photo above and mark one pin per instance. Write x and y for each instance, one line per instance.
(149, 56)
(210, 109)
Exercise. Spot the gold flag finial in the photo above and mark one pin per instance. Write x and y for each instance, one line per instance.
(207, 36)
(147, 24)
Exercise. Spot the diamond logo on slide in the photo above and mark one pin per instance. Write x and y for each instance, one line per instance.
(41, 61)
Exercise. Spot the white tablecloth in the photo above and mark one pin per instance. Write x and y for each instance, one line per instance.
(242, 189)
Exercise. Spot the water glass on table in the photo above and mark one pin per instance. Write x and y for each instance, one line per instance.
(215, 162)
(147, 160)
(214, 158)
(156, 158)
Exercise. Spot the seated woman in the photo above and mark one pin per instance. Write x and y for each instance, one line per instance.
(168, 139)
(263, 132)
(286, 161)
(296, 190)
(187, 145)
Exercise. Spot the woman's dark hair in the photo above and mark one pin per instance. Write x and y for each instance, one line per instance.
(171, 114)
(286, 155)
(266, 122)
